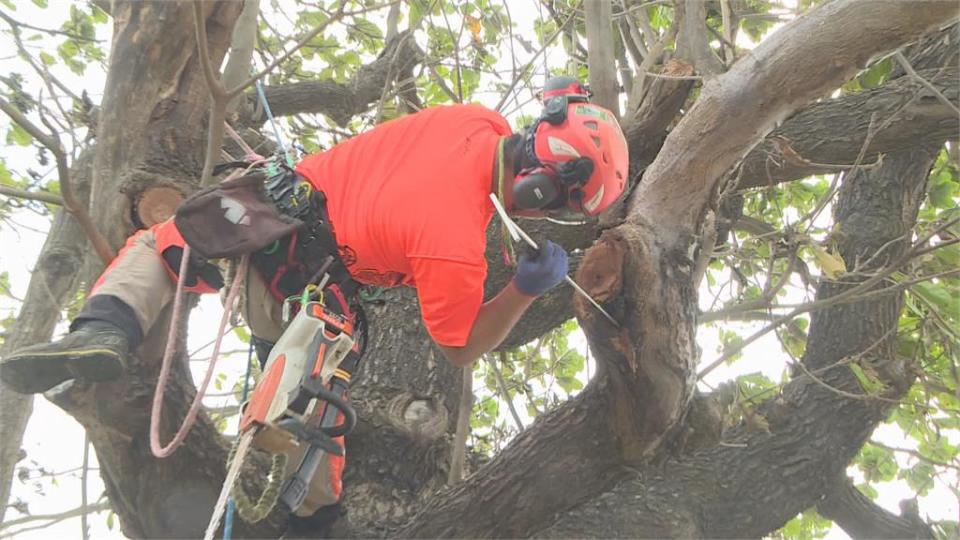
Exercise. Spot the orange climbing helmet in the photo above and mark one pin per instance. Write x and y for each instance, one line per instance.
(580, 154)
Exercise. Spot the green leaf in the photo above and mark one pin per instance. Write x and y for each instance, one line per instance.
(6, 179)
(806, 526)
(876, 74)
(110, 517)
(943, 194)
(99, 16)
(877, 464)
(940, 297)
(919, 477)
(9, 4)
(47, 58)
(868, 380)
(41, 3)
(19, 136)
(242, 334)
(368, 29)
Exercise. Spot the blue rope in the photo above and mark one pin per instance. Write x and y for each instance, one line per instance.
(273, 122)
(231, 505)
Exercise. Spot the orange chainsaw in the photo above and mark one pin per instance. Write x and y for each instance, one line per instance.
(301, 400)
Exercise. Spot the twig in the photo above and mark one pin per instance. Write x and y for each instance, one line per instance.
(912, 72)
(440, 82)
(42, 196)
(70, 35)
(635, 44)
(502, 387)
(52, 143)
(44, 74)
(456, 52)
(675, 77)
(54, 518)
(303, 41)
(523, 70)
(84, 527)
(653, 56)
(218, 96)
(459, 455)
(851, 294)
(762, 302)
(915, 454)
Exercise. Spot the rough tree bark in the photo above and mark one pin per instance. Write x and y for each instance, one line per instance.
(812, 432)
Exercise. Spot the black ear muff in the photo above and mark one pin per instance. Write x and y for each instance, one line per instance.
(535, 190)
(555, 110)
(576, 172)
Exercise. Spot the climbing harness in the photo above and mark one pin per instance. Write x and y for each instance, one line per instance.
(301, 398)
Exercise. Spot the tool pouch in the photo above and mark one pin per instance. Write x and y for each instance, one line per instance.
(233, 218)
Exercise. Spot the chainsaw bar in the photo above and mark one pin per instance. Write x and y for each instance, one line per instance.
(232, 474)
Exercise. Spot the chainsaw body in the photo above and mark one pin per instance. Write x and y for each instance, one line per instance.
(296, 376)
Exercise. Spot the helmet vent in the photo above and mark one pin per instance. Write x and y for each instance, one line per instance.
(592, 125)
(596, 140)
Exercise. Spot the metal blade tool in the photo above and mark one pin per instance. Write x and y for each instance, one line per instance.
(518, 234)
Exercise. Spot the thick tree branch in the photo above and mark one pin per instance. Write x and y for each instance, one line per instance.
(55, 518)
(42, 196)
(341, 102)
(52, 281)
(241, 48)
(802, 439)
(643, 268)
(860, 517)
(600, 57)
(692, 42)
(777, 77)
(915, 119)
(905, 64)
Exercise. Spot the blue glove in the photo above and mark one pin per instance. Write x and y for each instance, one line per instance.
(541, 270)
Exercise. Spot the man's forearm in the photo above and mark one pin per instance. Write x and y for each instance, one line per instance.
(494, 321)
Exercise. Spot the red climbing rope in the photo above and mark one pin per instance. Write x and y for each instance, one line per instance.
(155, 446)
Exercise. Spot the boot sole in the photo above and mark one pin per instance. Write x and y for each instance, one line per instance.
(35, 372)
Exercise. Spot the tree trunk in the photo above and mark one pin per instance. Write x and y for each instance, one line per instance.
(52, 283)
(767, 472)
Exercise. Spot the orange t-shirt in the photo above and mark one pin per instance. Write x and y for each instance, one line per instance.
(409, 205)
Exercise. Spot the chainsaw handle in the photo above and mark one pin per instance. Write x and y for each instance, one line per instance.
(342, 405)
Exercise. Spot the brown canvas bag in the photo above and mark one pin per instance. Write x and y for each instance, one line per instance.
(232, 218)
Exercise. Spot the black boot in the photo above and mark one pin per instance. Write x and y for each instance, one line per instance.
(96, 351)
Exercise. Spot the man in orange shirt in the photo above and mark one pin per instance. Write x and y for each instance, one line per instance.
(406, 203)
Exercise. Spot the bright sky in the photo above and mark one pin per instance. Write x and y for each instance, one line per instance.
(55, 441)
